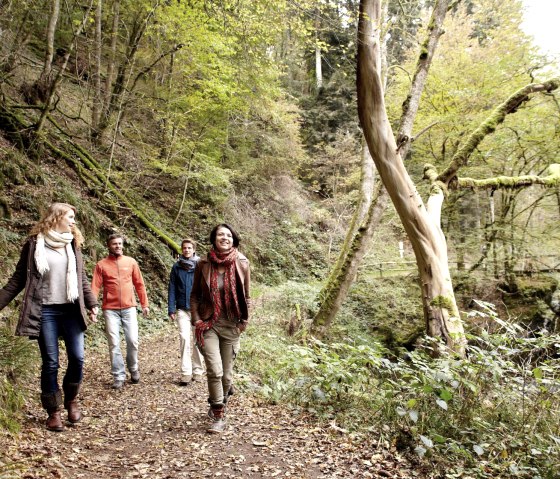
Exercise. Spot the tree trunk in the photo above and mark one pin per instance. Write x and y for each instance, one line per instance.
(54, 84)
(318, 65)
(111, 63)
(98, 44)
(49, 46)
(335, 291)
(167, 127)
(341, 277)
(118, 88)
(184, 197)
(421, 223)
(412, 102)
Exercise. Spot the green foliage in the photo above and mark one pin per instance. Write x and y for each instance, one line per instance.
(494, 414)
(288, 253)
(483, 58)
(18, 363)
(536, 287)
(389, 307)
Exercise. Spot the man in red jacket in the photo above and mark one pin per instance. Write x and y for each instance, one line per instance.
(119, 276)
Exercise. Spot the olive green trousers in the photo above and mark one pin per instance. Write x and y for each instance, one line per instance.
(221, 345)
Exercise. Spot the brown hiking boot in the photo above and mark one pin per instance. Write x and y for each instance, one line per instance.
(218, 419)
(71, 391)
(74, 413)
(52, 402)
(54, 422)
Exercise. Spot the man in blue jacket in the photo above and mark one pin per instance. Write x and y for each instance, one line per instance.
(180, 285)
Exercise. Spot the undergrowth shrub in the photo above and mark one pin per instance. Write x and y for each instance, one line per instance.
(18, 360)
(493, 414)
(391, 308)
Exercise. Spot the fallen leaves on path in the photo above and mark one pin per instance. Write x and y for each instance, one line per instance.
(156, 429)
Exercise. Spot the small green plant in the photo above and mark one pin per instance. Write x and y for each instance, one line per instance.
(17, 364)
(493, 414)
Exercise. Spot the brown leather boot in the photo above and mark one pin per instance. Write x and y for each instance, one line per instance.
(218, 419)
(54, 421)
(52, 402)
(71, 404)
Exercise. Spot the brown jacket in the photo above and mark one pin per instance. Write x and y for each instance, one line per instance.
(201, 299)
(26, 276)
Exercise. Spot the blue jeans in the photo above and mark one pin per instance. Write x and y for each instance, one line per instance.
(114, 319)
(60, 320)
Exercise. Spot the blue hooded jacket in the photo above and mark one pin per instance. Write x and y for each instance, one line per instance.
(180, 284)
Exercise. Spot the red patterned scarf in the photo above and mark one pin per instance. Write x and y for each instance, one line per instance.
(231, 304)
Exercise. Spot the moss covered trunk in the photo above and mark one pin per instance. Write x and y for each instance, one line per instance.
(364, 221)
(88, 169)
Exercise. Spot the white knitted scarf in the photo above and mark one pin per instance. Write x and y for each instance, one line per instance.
(58, 240)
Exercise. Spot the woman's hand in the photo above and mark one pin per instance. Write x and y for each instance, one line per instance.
(242, 326)
(93, 314)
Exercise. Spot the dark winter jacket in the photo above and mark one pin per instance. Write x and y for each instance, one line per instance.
(180, 285)
(201, 299)
(26, 276)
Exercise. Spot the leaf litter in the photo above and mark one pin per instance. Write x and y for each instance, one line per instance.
(156, 429)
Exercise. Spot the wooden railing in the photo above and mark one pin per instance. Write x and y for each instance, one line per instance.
(525, 265)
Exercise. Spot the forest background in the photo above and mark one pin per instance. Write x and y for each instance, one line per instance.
(160, 119)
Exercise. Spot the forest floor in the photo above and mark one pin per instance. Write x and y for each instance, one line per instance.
(156, 429)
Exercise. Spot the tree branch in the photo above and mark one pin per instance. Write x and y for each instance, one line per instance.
(145, 70)
(497, 117)
(552, 179)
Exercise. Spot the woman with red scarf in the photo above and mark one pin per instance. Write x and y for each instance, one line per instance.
(220, 312)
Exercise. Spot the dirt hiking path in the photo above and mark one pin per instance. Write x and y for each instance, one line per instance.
(156, 429)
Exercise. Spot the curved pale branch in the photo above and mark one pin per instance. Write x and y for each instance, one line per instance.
(412, 102)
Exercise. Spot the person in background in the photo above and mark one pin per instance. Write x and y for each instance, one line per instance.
(119, 276)
(179, 306)
(57, 297)
(220, 300)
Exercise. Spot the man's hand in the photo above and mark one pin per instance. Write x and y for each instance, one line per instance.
(93, 314)
(173, 316)
(242, 326)
(145, 311)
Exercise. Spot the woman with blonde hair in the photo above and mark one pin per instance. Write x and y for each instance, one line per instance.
(57, 293)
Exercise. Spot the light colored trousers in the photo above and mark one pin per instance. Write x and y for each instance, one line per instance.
(221, 345)
(114, 319)
(191, 358)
